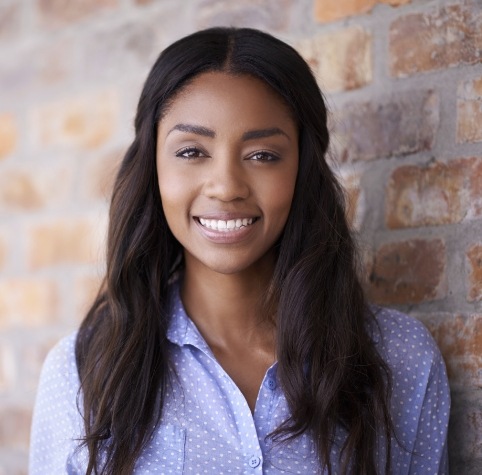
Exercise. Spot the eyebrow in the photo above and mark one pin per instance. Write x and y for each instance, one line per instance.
(249, 135)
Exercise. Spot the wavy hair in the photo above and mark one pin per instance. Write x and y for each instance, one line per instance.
(328, 365)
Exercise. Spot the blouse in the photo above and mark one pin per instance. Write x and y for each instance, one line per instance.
(208, 428)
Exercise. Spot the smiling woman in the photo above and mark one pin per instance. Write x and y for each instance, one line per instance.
(231, 333)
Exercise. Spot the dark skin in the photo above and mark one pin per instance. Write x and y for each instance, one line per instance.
(227, 150)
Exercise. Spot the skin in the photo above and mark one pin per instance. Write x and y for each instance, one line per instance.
(228, 149)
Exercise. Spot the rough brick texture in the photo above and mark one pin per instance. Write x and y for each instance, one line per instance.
(408, 272)
(439, 38)
(400, 124)
(434, 194)
(403, 84)
(469, 111)
(8, 134)
(330, 10)
(341, 60)
(474, 260)
(60, 12)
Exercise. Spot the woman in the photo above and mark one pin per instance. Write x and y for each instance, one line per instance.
(231, 334)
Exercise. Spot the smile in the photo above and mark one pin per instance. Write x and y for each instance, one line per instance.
(226, 226)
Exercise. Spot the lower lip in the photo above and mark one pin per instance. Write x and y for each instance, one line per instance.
(232, 236)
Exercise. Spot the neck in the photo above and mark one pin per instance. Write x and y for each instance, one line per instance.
(228, 308)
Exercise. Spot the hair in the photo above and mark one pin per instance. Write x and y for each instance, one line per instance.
(328, 366)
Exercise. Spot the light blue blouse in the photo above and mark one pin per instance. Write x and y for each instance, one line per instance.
(208, 428)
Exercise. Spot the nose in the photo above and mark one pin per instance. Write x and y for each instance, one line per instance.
(226, 180)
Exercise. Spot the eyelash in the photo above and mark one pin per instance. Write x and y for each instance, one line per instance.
(192, 153)
(190, 150)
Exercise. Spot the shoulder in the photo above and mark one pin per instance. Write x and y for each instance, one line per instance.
(59, 370)
(402, 339)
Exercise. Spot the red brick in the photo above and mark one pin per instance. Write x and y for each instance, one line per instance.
(465, 434)
(28, 302)
(62, 12)
(332, 10)
(8, 134)
(406, 272)
(83, 122)
(8, 368)
(355, 198)
(15, 427)
(64, 241)
(261, 14)
(341, 60)
(29, 189)
(474, 260)
(459, 338)
(85, 290)
(126, 47)
(445, 37)
(426, 195)
(469, 111)
(404, 123)
(434, 194)
(10, 18)
(99, 175)
(4, 246)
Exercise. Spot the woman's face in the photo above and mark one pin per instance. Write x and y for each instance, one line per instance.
(227, 160)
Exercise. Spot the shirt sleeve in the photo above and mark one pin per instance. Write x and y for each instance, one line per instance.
(430, 455)
(56, 423)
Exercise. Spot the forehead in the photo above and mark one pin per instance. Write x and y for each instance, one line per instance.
(218, 99)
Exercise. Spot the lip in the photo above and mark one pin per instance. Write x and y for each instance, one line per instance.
(223, 237)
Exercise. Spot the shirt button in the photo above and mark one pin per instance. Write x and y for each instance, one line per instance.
(254, 461)
(271, 383)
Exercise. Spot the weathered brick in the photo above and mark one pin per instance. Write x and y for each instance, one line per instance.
(341, 60)
(63, 241)
(15, 427)
(84, 122)
(3, 249)
(434, 194)
(459, 338)
(129, 47)
(85, 291)
(445, 37)
(354, 198)
(100, 173)
(426, 195)
(474, 284)
(45, 64)
(8, 368)
(261, 14)
(28, 189)
(411, 271)
(465, 434)
(8, 134)
(61, 12)
(10, 18)
(332, 10)
(401, 124)
(28, 302)
(469, 111)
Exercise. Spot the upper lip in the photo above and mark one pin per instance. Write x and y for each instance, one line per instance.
(225, 216)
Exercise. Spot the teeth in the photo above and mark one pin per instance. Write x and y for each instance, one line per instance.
(221, 225)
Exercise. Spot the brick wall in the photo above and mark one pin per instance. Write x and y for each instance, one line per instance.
(404, 81)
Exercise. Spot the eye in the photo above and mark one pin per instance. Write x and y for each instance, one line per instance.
(263, 156)
(190, 153)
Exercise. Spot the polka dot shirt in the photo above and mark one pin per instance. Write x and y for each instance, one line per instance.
(208, 428)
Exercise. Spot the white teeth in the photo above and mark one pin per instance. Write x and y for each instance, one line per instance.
(225, 226)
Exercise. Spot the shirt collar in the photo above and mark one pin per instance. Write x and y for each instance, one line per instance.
(182, 330)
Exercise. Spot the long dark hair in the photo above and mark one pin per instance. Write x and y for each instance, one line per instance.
(329, 368)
